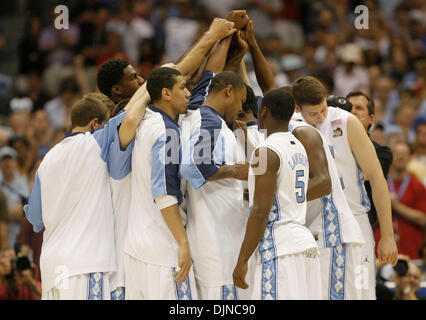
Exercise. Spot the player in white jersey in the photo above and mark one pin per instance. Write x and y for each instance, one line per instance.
(156, 246)
(71, 198)
(330, 219)
(287, 264)
(355, 159)
(214, 195)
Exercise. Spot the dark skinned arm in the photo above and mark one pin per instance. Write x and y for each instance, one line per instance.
(191, 61)
(237, 171)
(216, 61)
(265, 186)
(264, 75)
(319, 176)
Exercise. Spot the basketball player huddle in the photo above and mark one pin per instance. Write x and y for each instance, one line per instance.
(194, 188)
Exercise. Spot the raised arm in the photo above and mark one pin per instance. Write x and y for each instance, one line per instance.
(264, 75)
(216, 61)
(190, 62)
(236, 52)
(135, 111)
(365, 154)
(265, 185)
(319, 176)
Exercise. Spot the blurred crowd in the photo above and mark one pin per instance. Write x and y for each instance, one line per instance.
(387, 61)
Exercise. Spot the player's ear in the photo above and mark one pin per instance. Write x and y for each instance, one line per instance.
(228, 91)
(297, 108)
(93, 124)
(166, 94)
(117, 90)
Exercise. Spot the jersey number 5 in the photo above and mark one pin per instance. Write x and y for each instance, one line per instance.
(300, 195)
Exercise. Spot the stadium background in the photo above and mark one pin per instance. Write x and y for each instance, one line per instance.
(43, 71)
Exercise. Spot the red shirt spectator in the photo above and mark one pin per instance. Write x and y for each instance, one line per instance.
(408, 197)
(21, 292)
(27, 237)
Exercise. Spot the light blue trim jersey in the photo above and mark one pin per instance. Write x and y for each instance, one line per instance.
(201, 90)
(155, 172)
(71, 198)
(285, 232)
(215, 209)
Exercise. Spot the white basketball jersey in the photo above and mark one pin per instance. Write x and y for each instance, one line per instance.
(285, 231)
(334, 129)
(215, 209)
(329, 217)
(254, 138)
(154, 173)
(121, 197)
(71, 197)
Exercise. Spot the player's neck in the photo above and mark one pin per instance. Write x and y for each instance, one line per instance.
(277, 127)
(167, 109)
(80, 129)
(215, 104)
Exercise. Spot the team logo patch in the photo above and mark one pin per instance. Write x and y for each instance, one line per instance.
(337, 133)
(336, 122)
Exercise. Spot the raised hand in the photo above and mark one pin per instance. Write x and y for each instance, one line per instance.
(221, 28)
(249, 33)
(239, 17)
(236, 52)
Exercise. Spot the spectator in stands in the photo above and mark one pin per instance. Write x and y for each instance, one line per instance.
(58, 44)
(16, 278)
(379, 112)
(59, 109)
(4, 219)
(350, 75)
(112, 49)
(138, 29)
(422, 255)
(35, 90)
(15, 188)
(408, 203)
(407, 286)
(19, 123)
(417, 164)
(93, 33)
(24, 154)
(386, 93)
(261, 12)
(404, 117)
(39, 134)
(31, 57)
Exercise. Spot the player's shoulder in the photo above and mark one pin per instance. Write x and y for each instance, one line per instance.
(210, 118)
(336, 114)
